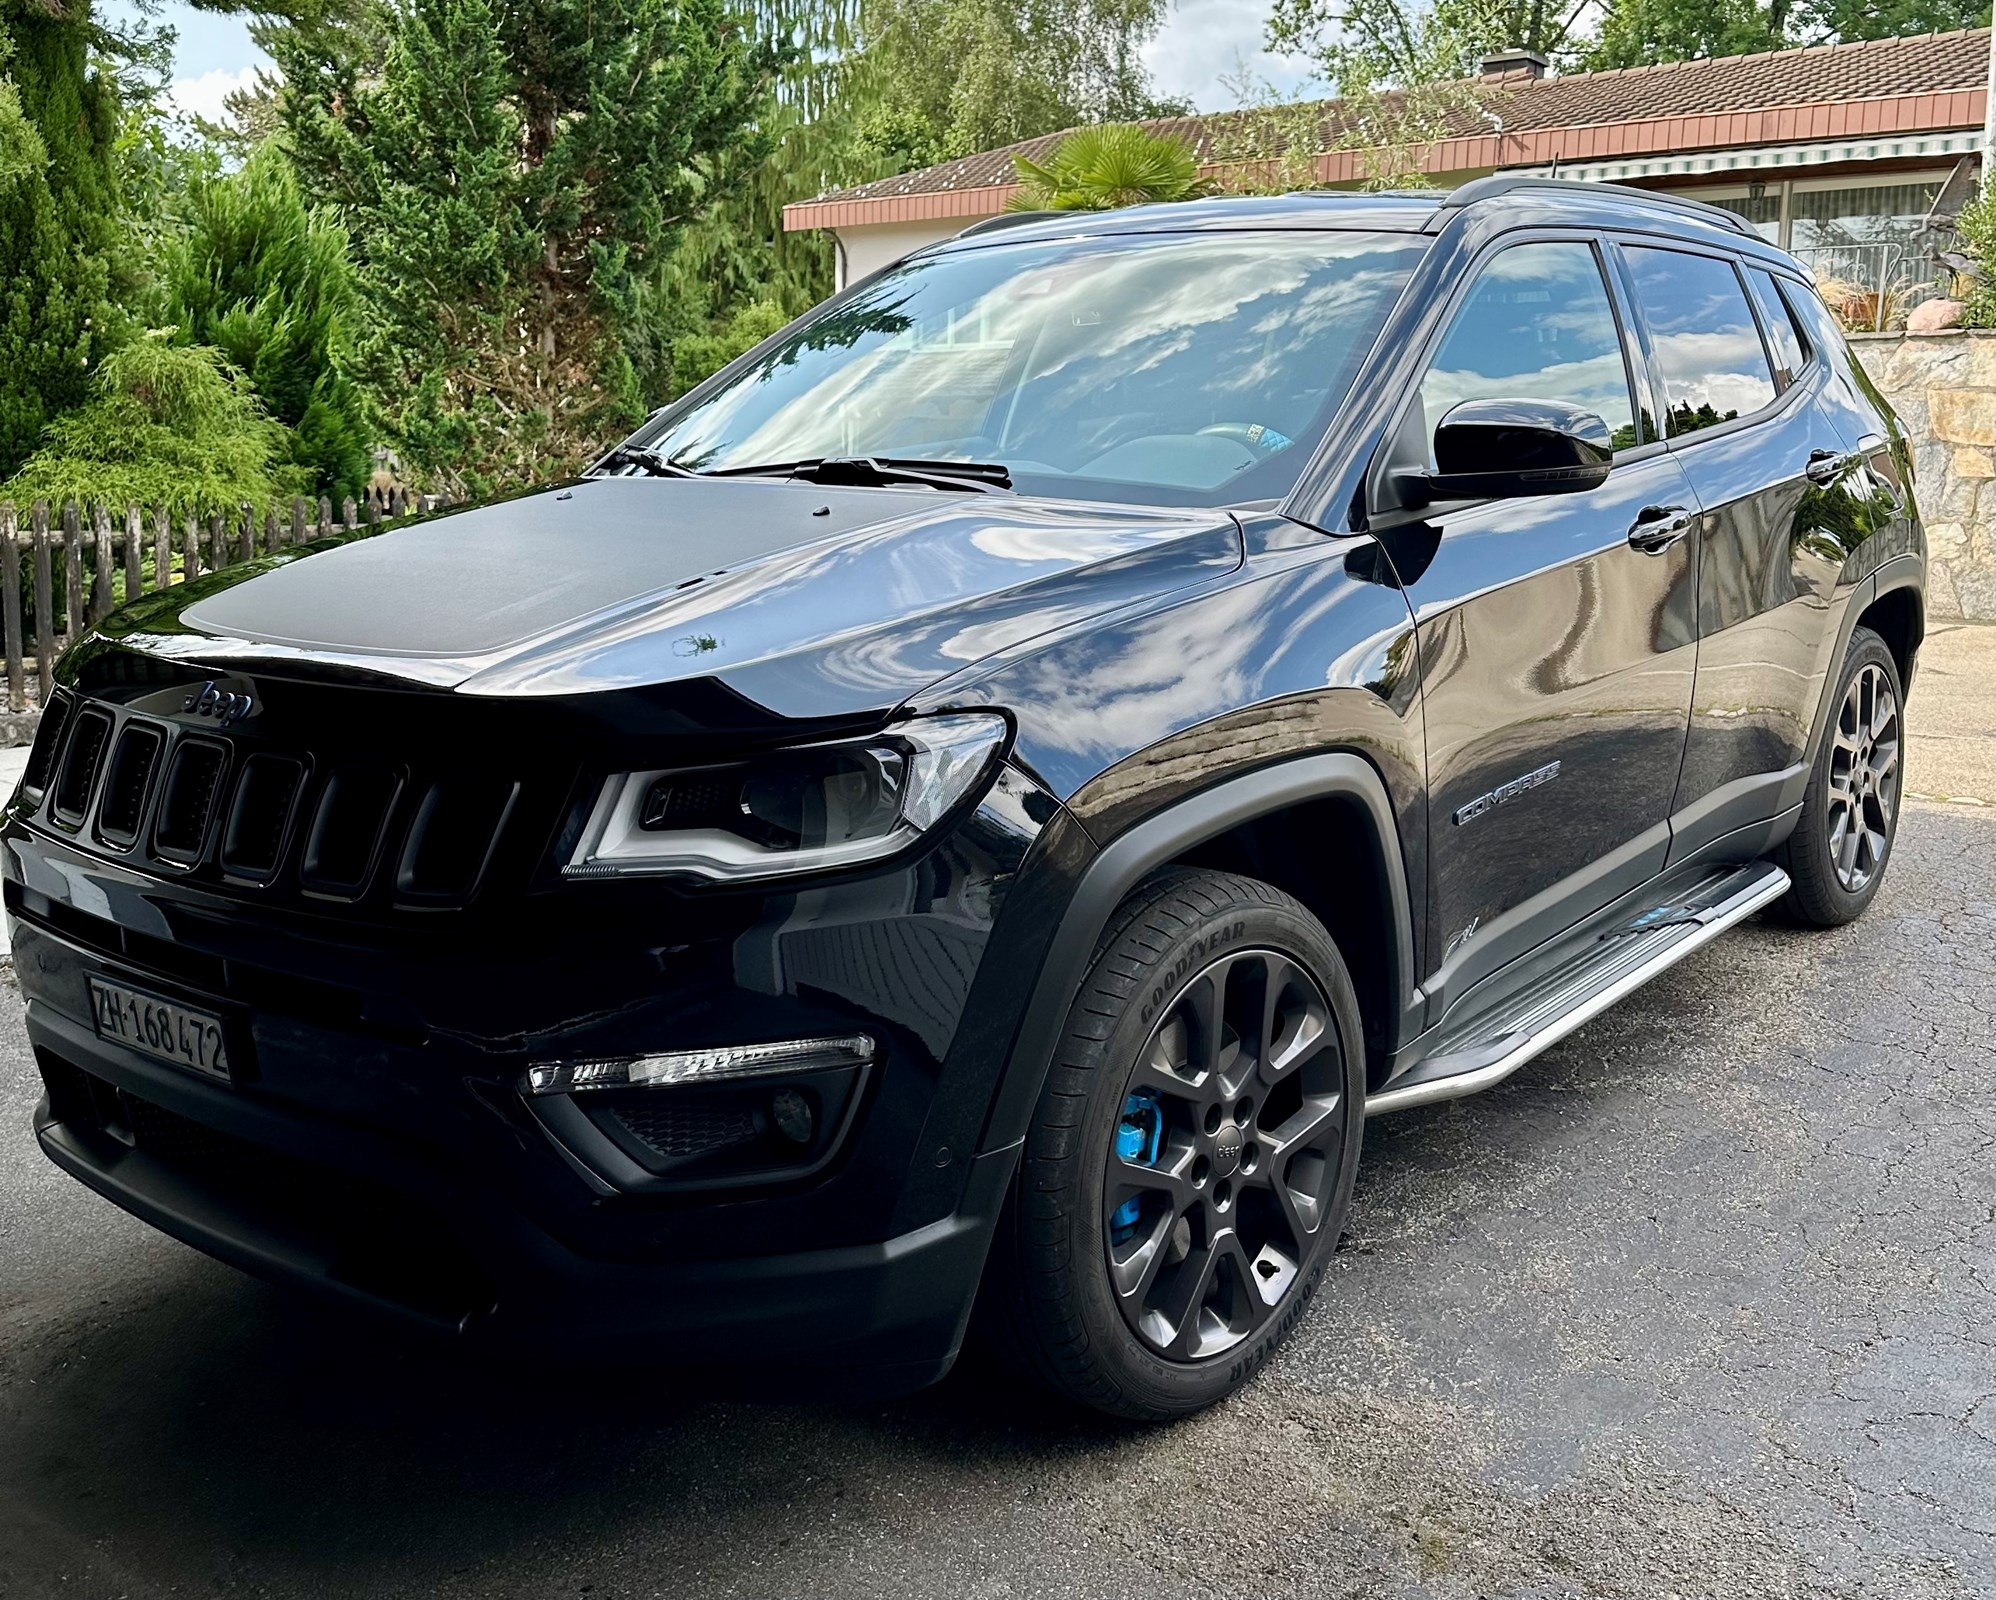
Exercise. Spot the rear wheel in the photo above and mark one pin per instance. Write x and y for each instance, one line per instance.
(1189, 1165)
(1850, 814)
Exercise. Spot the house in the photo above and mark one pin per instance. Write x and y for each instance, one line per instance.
(1845, 154)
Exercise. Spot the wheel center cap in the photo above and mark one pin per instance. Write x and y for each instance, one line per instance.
(1227, 1146)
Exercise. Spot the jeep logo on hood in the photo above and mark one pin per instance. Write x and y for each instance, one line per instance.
(224, 705)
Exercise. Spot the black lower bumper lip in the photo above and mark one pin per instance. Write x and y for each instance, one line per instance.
(361, 1221)
(195, 1214)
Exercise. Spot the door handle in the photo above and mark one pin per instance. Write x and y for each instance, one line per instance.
(1657, 528)
(1827, 466)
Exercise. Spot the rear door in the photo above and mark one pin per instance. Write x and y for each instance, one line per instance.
(1557, 632)
(1743, 398)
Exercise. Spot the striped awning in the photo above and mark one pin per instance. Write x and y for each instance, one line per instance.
(1769, 157)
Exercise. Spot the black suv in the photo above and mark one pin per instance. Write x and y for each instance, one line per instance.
(972, 807)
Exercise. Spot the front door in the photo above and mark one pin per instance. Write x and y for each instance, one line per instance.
(1557, 632)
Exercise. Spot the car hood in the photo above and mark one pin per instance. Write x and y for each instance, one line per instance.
(809, 601)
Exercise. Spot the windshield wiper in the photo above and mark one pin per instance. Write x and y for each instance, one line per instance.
(874, 472)
(645, 460)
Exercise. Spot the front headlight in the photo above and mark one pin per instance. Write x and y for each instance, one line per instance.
(810, 809)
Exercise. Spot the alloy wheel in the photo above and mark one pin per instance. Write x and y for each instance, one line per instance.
(1225, 1158)
(1863, 789)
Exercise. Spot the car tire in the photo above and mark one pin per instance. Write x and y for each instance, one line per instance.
(1245, 1163)
(1842, 842)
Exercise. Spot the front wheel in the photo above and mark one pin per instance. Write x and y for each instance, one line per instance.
(1186, 1176)
(1850, 814)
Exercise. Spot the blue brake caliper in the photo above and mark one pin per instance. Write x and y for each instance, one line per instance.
(1139, 1137)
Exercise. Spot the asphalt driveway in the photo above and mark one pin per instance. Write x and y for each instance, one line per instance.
(1702, 1303)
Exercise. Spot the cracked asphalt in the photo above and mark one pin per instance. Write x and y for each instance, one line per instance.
(1702, 1303)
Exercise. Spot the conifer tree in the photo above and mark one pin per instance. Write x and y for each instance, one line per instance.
(259, 277)
(59, 257)
(511, 176)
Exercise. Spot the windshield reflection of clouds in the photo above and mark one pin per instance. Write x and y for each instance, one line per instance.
(1050, 357)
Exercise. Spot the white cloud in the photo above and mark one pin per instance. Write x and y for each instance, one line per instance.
(203, 96)
(1204, 40)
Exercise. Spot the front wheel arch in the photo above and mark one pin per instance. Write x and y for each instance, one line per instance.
(1176, 835)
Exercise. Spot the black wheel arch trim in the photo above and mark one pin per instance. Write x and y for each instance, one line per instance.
(1123, 863)
(1907, 570)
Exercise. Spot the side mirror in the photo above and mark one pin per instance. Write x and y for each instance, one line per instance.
(1502, 449)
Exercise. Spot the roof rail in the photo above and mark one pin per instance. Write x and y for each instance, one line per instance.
(1005, 219)
(1498, 184)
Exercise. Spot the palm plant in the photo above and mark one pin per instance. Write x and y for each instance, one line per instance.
(1101, 168)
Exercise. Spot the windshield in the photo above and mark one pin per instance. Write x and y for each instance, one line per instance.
(1173, 368)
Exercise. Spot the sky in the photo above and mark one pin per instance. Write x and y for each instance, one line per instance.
(1201, 42)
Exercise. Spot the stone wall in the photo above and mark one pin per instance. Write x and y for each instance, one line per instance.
(1943, 385)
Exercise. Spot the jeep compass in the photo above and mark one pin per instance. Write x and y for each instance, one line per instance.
(957, 822)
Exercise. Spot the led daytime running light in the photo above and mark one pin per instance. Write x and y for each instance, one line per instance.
(719, 1064)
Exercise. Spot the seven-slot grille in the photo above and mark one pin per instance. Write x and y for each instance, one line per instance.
(194, 800)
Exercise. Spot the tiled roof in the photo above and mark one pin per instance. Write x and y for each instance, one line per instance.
(1921, 81)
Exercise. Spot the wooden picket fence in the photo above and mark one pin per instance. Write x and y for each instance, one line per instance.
(93, 550)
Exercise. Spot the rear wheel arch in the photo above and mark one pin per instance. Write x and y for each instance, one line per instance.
(1895, 595)
(1899, 617)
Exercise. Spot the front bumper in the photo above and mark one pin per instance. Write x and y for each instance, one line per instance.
(353, 1218)
(379, 1150)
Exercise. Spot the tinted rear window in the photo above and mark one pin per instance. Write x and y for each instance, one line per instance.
(1703, 335)
(1783, 335)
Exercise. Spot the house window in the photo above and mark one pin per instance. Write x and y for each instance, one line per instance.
(1870, 214)
(1763, 210)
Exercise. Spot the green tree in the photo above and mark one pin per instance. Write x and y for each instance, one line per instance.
(1976, 230)
(1103, 167)
(512, 177)
(60, 262)
(1640, 33)
(162, 424)
(967, 75)
(1404, 72)
(1894, 19)
(268, 283)
(1368, 46)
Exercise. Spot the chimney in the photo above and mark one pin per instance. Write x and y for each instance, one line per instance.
(1514, 61)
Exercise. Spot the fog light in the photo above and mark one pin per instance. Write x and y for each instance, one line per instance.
(791, 1113)
(699, 1066)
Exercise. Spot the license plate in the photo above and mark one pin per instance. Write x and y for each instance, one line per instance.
(162, 1028)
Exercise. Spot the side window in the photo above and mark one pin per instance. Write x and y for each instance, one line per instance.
(1706, 343)
(1791, 350)
(1537, 325)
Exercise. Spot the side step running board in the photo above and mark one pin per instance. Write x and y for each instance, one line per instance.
(1487, 1048)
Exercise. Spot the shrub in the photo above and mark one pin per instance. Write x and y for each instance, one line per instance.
(163, 424)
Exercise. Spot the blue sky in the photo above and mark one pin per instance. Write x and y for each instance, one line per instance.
(1202, 40)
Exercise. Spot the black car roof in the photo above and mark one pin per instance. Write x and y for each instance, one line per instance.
(1527, 201)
